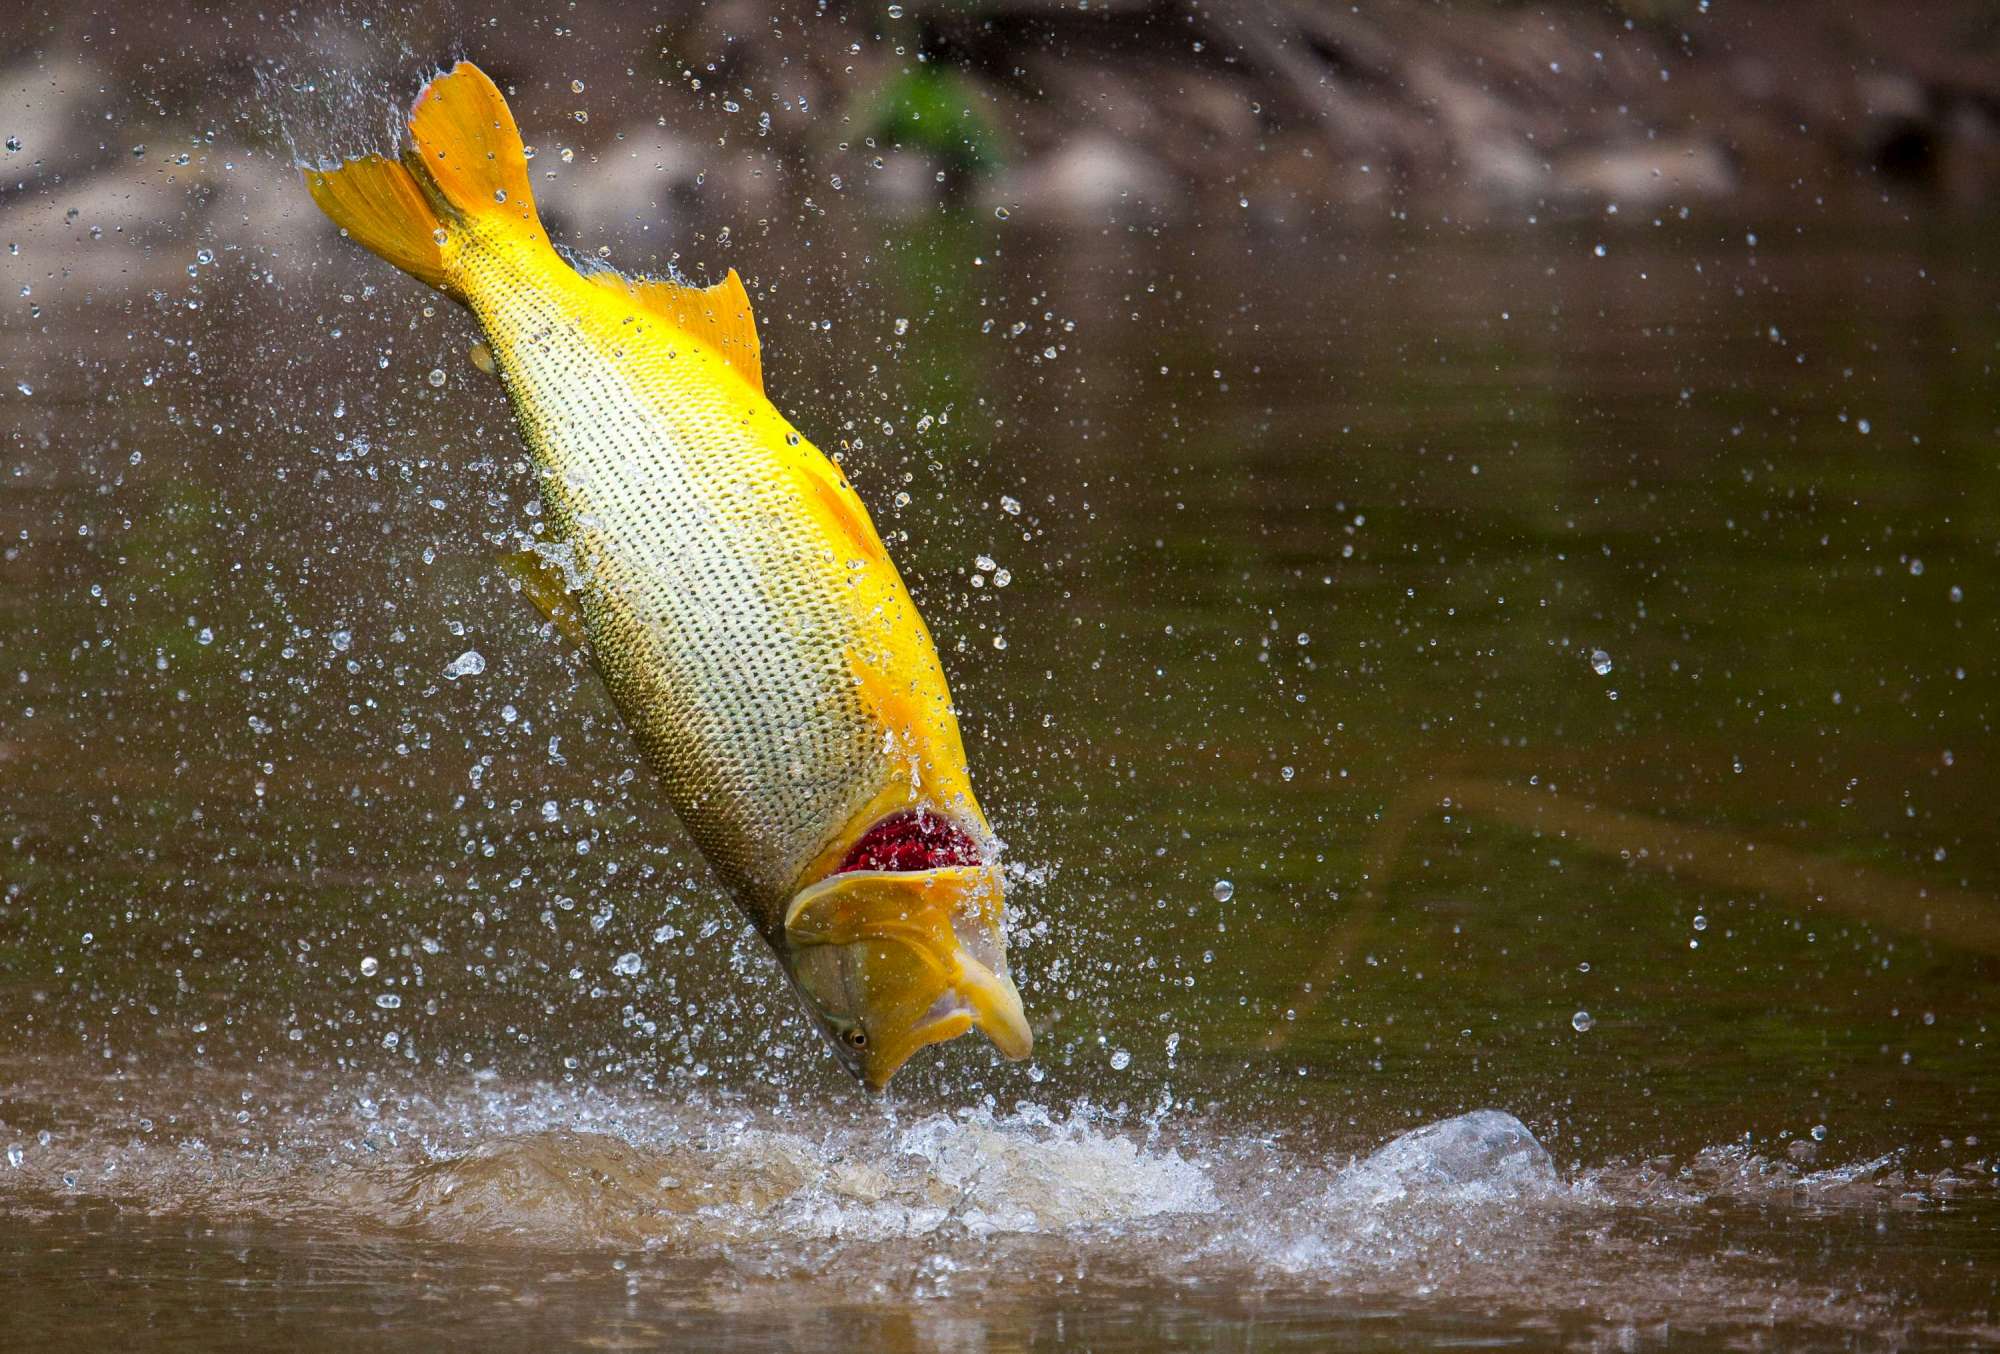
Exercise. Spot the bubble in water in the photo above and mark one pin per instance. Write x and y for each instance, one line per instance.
(1600, 662)
(1120, 1060)
(1582, 1021)
(436, 378)
(341, 640)
(1224, 890)
(468, 664)
(629, 964)
(370, 966)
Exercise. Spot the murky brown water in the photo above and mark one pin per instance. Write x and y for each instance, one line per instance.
(318, 1026)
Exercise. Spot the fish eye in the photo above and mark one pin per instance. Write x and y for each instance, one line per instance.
(856, 1038)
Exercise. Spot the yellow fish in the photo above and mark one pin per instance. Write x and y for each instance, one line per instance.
(731, 590)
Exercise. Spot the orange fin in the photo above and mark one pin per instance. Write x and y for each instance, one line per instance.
(467, 168)
(469, 151)
(378, 203)
(718, 317)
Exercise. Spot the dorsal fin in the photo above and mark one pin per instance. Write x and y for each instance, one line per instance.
(717, 316)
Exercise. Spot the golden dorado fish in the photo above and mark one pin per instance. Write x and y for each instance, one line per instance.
(730, 589)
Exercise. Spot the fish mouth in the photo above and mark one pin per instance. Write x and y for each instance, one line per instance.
(903, 946)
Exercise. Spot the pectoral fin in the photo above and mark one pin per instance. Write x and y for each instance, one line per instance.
(542, 583)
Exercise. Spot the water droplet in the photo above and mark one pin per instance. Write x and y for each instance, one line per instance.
(499, 194)
(439, 236)
(984, 563)
(551, 811)
(341, 640)
(895, 11)
(1223, 890)
(902, 327)
(1582, 1021)
(1819, 1132)
(1010, 506)
(1600, 662)
(629, 964)
(1001, 578)
(468, 664)
(204, 256)
(1700, 922)
(370, 966)
(1120, 1060)
(1599, 251)
(1001, 213)
(999, 641)
(576, 86)
(436, 377)
(389, 1001)
(13, 143)
(568, 155)
(1916, 568)
(16, 1154)
(206, 636)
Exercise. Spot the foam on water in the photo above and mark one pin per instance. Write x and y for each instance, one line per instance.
(853, 1198)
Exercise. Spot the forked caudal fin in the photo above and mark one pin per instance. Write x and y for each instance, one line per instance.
(465, 169)
(466, 174)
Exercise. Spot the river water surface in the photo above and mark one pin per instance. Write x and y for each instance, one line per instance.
(1546, 666)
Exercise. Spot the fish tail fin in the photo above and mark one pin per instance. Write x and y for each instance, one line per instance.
(377, 202)
(465, 174)
(468, 152)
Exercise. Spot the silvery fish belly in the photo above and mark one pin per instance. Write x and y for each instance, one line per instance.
(730, 589)
(715, 619)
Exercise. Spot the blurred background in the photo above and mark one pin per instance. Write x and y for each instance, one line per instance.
(1467, 537)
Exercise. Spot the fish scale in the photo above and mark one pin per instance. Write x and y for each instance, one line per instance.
(731, 590)
(716, 629)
